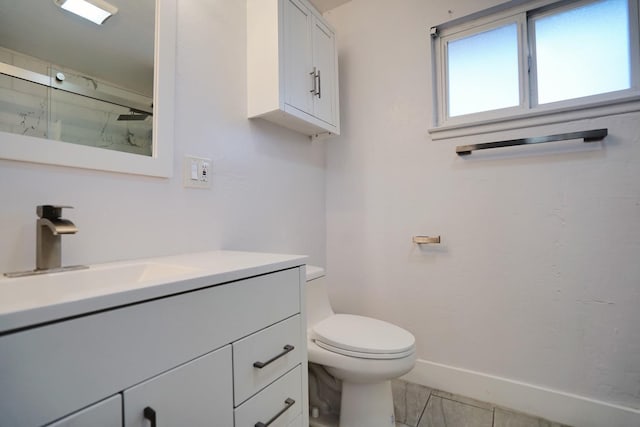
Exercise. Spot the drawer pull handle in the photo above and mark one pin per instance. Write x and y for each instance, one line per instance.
(150, 414)
(287, 348)
(288, 404)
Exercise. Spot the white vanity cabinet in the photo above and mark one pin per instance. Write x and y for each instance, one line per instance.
(292, 66)
(107, 413)
(182, 359)
(194, 394)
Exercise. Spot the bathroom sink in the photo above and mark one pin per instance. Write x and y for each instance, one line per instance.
(52, 288)
(105, 275)
(55, 296)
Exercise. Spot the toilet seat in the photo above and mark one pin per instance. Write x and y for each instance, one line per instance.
(362, 355)
(363, 337)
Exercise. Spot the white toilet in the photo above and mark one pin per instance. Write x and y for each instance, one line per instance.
(365, 353)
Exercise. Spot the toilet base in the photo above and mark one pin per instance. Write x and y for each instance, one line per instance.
(368, 404)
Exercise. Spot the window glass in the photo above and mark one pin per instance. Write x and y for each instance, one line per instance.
(583, 51)
(482, 71)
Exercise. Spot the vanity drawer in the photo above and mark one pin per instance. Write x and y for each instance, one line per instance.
(283, 397)
(270, 347)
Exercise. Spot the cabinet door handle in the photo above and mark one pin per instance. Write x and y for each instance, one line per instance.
(287, 404)
(287, 348)
(313, 74)
(319, 86)
(150, 414)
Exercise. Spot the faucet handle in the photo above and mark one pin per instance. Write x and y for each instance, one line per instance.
(51, 211)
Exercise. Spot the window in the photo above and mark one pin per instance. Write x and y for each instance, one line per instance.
(541, 58)
(575, 59)
(481, 79)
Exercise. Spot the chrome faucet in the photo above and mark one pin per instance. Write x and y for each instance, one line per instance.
(49, 229)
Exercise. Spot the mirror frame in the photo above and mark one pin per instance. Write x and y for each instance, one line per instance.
(160, 163)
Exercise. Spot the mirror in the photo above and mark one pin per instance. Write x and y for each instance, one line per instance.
(79, 94)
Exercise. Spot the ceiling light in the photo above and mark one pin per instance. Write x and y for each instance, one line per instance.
(96, 11)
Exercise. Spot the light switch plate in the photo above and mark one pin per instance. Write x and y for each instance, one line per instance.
(196, 172)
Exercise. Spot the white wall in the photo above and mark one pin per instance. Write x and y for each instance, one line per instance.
(538, 276)
(268, 183)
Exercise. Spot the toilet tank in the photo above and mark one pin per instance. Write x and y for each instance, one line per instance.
(318, 305)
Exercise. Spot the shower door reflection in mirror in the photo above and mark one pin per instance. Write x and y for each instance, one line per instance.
(66, 79)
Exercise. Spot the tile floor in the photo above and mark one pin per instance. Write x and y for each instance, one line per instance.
(418, 406)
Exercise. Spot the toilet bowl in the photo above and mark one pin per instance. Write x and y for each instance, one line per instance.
(365, 353)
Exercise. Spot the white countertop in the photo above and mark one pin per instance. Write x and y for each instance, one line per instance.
(26, 301)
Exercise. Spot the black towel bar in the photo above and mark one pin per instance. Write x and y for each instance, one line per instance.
(587, 136)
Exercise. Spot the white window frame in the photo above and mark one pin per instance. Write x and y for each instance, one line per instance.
(443, 82)
(529, 112)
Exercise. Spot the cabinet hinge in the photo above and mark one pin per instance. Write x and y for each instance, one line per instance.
(320, 136)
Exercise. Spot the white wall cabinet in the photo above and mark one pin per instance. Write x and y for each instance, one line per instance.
(172, 357)
(292, 66)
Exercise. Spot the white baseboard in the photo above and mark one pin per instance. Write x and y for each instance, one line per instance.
(551, 404)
